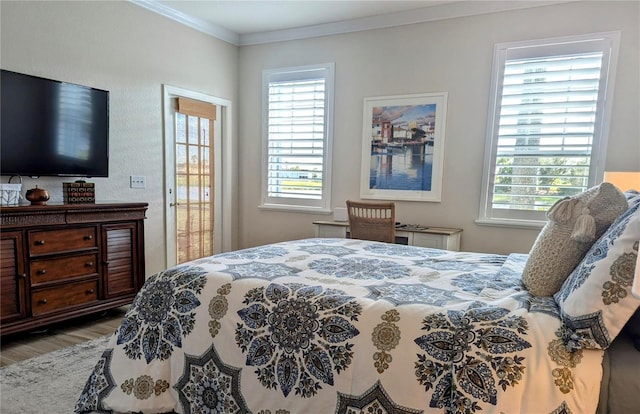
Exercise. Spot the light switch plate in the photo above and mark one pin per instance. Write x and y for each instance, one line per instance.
(138, 181)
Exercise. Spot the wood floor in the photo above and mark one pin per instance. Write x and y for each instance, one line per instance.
(21, 346)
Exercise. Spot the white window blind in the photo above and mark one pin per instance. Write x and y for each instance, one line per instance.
(297, 137)
(547, 134)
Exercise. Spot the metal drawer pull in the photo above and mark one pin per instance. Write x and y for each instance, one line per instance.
(90, 291)
(42, 271)
(89, 237)
(42, 301)
(39, 243)
(89, 264)
(22, 275)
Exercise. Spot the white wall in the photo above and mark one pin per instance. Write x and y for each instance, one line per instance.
(450, 55)
(131, 52)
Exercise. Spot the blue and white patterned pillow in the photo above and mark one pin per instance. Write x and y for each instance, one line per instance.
(595, 301)
(632, 196)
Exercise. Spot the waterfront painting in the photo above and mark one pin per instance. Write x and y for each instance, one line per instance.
(403, 147)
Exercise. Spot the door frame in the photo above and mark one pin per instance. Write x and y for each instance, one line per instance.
(223, 170)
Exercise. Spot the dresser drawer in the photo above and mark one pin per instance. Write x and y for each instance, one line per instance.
(65, 296)
(61, 268)
(62, 240)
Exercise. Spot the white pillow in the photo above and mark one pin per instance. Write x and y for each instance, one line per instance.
(595, 301)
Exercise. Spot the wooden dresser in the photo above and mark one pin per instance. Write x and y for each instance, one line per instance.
(63, 261)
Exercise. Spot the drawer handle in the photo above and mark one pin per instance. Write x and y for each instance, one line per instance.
(90, 291)
(89, 264)
(42, 301)
(89, 237)
(22, 275)
(42, 271)
(39, 243)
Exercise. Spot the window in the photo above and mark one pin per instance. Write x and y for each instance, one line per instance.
(548, 125)
(297, 135)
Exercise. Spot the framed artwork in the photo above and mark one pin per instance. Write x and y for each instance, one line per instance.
(403, 141)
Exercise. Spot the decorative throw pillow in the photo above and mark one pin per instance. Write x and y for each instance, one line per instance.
(595, 301)
(574, 224)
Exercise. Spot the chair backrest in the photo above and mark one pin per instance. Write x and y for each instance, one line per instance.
(372, 220)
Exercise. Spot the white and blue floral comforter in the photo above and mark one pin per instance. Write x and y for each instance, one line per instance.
(342, 326)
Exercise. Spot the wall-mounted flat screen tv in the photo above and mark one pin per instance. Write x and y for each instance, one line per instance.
(52, 128)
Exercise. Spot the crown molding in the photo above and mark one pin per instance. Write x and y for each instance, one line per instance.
(426, 14)
(198, 24)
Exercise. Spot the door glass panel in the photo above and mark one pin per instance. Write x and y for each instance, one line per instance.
(181, 131)
(204, 125)
(182, 231)
(194, 209)
(194, 160)
(193, 130)
(206, 167)
(206, 185)
(181, 159)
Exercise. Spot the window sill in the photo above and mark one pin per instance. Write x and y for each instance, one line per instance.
(522, 224)
(297, 209)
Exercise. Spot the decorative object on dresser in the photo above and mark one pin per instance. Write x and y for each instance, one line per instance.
(410, 234)
(62, 261)
(10, 194)
(372, 221)
(79, 192)
(37, 196)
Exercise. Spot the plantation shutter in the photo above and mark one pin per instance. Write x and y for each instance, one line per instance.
(549, 112)
(297, 137)
(546, 130)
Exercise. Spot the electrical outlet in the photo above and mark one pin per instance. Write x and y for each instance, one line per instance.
(138, 181)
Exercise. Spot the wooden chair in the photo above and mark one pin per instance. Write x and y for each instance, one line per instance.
(372, 220)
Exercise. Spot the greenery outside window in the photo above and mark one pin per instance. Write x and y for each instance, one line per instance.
(297, 137)
(548, 124)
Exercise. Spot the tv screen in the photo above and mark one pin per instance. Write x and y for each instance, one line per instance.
(52, 128)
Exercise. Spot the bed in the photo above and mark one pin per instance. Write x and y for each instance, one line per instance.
(620, 388)
(348, 326)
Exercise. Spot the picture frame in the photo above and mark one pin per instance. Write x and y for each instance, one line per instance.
(403, 141)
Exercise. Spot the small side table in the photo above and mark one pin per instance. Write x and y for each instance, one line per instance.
(410, 234)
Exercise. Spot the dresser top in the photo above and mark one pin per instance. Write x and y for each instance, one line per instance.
(52, 214)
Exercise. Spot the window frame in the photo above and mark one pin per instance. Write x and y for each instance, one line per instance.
(608, 43)
(300, 73)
